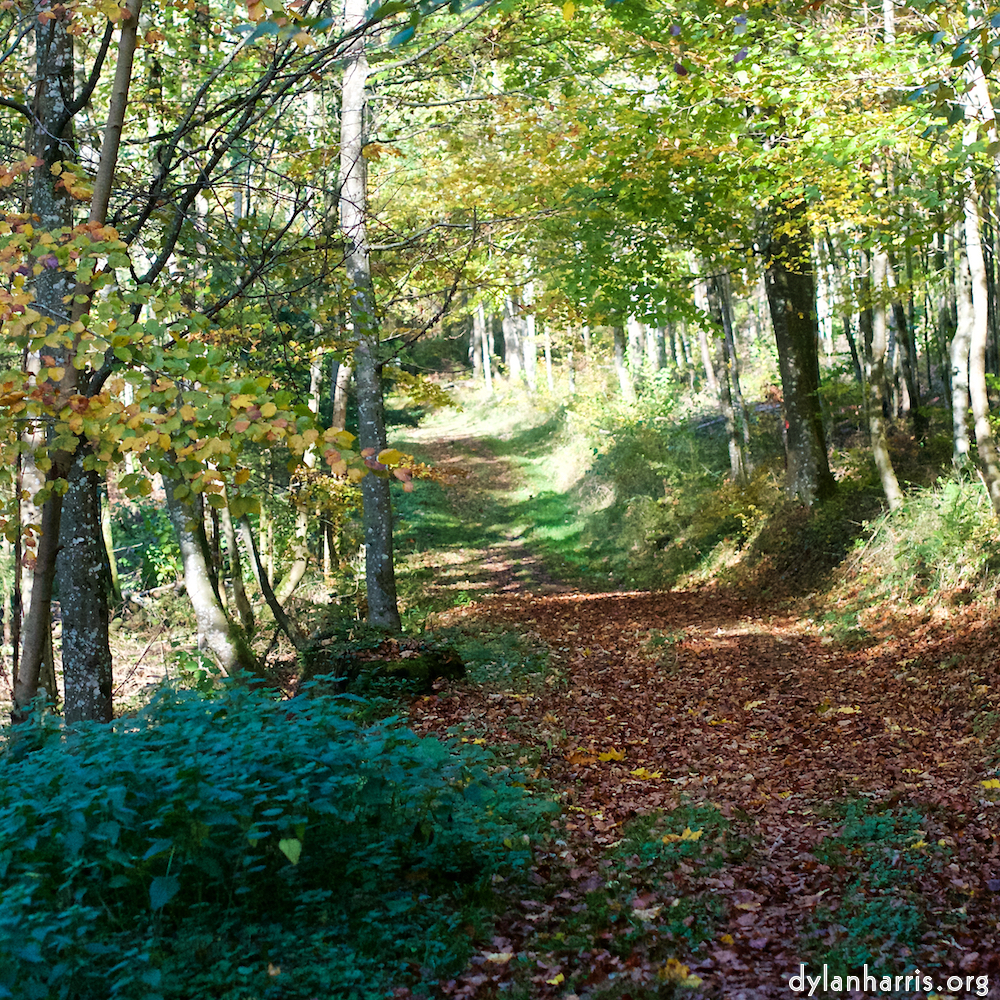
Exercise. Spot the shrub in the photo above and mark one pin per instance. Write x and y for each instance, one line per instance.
(237, 846)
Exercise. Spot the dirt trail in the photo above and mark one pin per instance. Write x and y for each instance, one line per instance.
(707, 699)
(478, 481)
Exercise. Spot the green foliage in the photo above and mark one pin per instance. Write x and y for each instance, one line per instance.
(235, 846)
(886, 853)
(941, 542)
(637, 909)
(500, 659)
(146, 544)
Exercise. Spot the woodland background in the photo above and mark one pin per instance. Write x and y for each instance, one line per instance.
(498, 499)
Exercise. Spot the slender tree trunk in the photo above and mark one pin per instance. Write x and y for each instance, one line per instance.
(621, 368)
(547, 347)
(985, 443)
(791, 297)
(529, 347)
(476, 349)
(702, 301)
(979, 113)
(732, 366)
(299, 549)
(959, 356)
(479, 322)
(109, 547)
(380, 574)
(512, 340)
(243, 606)
(216, 632)
(876, 385)
(341, 383)
(737, 458)
(295, 635)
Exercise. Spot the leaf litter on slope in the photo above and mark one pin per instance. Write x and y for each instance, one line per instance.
(669, 703)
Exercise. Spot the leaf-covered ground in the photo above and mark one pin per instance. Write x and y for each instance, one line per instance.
(745, 789)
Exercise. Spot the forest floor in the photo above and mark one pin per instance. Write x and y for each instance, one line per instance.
(745, 789)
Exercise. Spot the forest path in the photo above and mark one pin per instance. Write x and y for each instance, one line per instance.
(483, 549)
(851, 777)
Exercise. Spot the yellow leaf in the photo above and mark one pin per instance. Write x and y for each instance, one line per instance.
(499, 957)
(187, 412)
(268, 410)
(727, 939)
(644, 775)
(688, 834)
(242, 475)
(240, 402)
(556, 979)
(676, 972)
(991, 783)
(752, 705)
(611, 755)
(355, 475)
(569, 9)
(302, 39)
(390, 456)
(343, 439)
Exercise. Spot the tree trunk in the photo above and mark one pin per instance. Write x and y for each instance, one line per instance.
(701, 300)
(985, 443)
(791, 298)
(483, 338)
(53, 206)
(621, 369)
(240, 599)
(380, 574)
(959, 356)
(512, 340)
(732, 365)
(876, 381)
(737, 458)
(529, 346)
(341, 384)
(216, 632)
(83, 598)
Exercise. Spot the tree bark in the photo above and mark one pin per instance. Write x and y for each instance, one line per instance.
(83, 595)
(985, 443)
(791, 298)
(959, 357)
(216, 632)
(621, 368)
(876, 381)
(483, 336)
(380, 574)
(243, 606)
(701, 300)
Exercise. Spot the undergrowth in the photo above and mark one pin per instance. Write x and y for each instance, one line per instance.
(640, 496)
(237, 846)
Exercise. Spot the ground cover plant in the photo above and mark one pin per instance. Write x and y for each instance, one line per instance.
(232, 844)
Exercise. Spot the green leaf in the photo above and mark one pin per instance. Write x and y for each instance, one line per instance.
(291, 847)
(402, 37)
(162, 889)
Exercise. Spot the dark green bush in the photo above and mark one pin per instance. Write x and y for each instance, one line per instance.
(237, 846)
